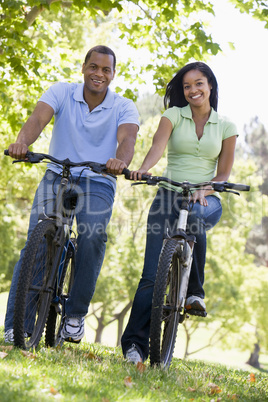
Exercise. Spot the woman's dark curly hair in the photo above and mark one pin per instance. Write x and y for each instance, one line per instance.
(174, 93)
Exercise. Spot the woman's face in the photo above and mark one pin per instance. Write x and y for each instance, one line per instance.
(196, 88)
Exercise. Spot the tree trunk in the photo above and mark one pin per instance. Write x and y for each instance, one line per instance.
(254, 357)
(120, 318)
(99, 330)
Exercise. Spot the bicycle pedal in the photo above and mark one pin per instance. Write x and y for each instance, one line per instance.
(199, 313)
(72, 340)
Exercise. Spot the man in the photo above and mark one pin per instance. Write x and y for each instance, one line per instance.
(91, 123)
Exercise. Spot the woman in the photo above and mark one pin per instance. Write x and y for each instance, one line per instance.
(201, 147)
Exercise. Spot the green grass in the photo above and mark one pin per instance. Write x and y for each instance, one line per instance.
(89, 372)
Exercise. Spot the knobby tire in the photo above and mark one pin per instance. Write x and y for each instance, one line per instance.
(165, 314)
(33, 296)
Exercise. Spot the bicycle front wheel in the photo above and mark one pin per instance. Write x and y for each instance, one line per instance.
(166, 309)
(35, 287)
(57, 308)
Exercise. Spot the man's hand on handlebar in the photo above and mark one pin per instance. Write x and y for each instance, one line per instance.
(115, 166)
(18, 151)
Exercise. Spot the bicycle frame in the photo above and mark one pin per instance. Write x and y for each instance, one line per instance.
(184, 251)
(64, 221)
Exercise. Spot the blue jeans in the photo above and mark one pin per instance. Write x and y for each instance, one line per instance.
(162, 217)
(93, 212)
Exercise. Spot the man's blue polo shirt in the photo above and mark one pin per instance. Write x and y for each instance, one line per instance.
(81, 135)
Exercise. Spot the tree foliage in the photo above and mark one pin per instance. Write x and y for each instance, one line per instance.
(229, 271)
(256, 142)
(257, 8)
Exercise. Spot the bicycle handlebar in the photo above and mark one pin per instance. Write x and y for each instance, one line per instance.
(220, 186)
(34, 157)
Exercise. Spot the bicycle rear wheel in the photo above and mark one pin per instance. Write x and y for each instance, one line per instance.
(166, 308)
(57, 308)
(35, 287)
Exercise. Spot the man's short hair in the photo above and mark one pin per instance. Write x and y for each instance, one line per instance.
(101, 49)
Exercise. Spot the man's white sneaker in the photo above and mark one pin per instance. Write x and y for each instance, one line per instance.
(195, 303)
(133, 355)
(73, 329)
(9, 335)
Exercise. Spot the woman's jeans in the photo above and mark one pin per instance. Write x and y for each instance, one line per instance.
(162, 218)
(93, 212)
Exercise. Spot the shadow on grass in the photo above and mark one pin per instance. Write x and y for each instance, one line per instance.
(262, 369)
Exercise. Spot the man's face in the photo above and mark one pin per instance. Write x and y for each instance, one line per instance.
(98, 73)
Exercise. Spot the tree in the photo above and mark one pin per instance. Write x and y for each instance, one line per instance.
(257, 241)
(257, 8)
(227, 269)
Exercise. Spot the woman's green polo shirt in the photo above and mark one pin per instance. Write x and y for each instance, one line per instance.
(189, 158)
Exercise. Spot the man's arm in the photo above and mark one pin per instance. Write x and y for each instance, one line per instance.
(31, 130)
(126, 137)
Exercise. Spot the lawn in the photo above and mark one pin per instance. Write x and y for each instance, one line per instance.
(90, 372)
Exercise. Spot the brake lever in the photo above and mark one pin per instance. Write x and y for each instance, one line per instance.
(148, 182)
(137, 183)
(101, 169)
(232, 191)
(20, 160)
(222, 189)
(31, 158)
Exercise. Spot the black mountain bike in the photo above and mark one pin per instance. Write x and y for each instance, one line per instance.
(48, 264)
(173, 272)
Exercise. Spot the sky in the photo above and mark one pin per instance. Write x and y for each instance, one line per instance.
(242, 74)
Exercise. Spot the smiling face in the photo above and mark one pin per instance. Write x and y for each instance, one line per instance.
(196, 89)
(98, 73)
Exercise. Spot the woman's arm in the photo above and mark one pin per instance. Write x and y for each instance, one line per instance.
(157, 149)
(225, 164)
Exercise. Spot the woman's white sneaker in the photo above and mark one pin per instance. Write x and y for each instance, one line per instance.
(133, 355)
(195, 303)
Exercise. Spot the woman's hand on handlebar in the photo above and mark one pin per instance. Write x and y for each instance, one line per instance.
(18, 151)
(137, 174)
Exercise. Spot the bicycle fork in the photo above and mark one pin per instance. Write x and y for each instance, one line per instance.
(184, 257)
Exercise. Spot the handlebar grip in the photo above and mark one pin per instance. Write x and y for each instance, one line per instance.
(126, 173)
(146, 177)
(6, 152)
(238, 186)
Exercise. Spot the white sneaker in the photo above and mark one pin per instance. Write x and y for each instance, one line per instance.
(133, 355)
(195, 303)
(9, 336)
(73, 329)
